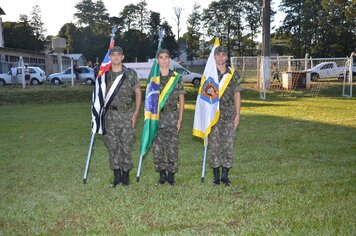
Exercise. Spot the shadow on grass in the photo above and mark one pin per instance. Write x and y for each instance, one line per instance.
(289, 175)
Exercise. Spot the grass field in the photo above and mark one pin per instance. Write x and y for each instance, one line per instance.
(294, 171)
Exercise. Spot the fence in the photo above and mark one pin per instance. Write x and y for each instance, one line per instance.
(287, 75)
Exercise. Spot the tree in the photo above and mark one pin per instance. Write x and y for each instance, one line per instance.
(321, 28)
(280, 42)
(91, 44)
(69, 32)
(19, 34)
(129, 42)
(38, 28)
(253, 22)
(143, 15)
(102, 25)
(142, 23)
(169, 41)
(154, 25)
(130, 14)
(336, 28)
(299, 21)
(225, 17)
(193, 34)
(93, 14)
(86, 13)
(27, 33)
(178, 13)
(119, 22)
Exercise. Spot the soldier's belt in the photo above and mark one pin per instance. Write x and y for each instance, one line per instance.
(167, 109)
(121, 107)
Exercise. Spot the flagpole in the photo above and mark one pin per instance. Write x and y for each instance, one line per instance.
(204, 160)
(161, 35)
(139, 169)
(88, 159)
(113, 31)
(207, 107)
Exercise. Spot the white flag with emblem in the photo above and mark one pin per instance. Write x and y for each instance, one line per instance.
(207, 105)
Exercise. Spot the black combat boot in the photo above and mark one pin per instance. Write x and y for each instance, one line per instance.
(162, 177)
(170, 178)
(216, 172)
(225, 176)
(125, 178)
(117, 178)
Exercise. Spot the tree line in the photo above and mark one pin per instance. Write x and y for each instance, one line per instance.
(322, 28)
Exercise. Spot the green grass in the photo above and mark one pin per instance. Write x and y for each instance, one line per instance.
(294, 171)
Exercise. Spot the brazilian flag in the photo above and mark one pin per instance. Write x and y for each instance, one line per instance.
(154, 102)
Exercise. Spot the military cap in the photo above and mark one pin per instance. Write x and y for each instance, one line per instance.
(163, 50)
(220, 49)
(116, 49)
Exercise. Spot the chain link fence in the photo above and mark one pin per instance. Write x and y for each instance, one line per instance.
(289, 76)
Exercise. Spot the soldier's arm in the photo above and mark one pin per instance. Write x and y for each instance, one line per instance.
(138, 100)
(237, 103)
(180, 110)
(138, 97)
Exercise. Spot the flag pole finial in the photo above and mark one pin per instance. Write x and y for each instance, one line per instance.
(161, 35)
(113, 31)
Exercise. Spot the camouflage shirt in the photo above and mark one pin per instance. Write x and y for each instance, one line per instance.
(226, 102)
(124, 97)
(173, 98)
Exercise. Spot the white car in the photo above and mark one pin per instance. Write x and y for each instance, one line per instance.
(86, 75)
(38, 76)
(328, 70)
(189, 77)
(143, 70)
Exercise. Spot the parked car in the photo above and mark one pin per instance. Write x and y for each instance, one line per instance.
(143, 70)
(38, 76)
(189, 77)
(328, 70)
(86, 75)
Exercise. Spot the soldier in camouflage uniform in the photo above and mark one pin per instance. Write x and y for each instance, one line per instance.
(166, 141)
(222, 136)
(120, 117)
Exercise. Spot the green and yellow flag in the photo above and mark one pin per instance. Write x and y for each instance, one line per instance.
(154, 102)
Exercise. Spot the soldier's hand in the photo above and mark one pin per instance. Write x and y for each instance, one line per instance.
(236, 121)
(134, 118)
(179, 124)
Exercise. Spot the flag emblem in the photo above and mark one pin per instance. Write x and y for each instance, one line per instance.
(210, 91)
(152, 98)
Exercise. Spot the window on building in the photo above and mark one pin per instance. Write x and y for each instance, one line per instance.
(14, 59)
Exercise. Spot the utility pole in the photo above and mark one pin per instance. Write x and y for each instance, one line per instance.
(266, 26)
(266, 49)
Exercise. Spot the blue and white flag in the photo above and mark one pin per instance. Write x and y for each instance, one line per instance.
(207, 105)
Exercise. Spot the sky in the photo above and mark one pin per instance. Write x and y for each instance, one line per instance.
(56, 13)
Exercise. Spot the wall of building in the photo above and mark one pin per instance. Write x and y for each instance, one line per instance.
(10, 56)
(48, 62)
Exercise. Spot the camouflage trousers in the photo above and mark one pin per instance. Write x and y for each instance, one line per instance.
(119, 139)
(166, 143)
(221, 141)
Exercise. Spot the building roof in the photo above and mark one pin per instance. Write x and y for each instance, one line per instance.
(6, 49)
(2, 11)
(72, 56)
